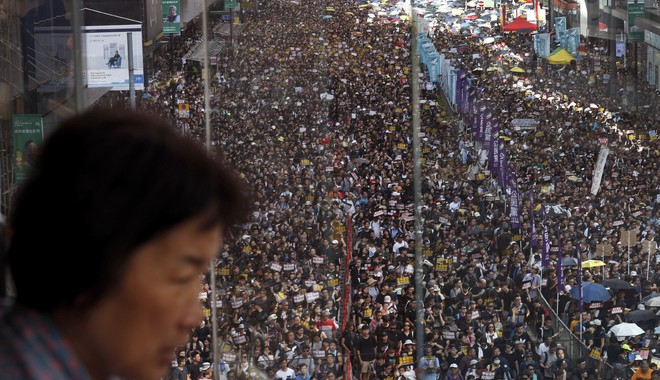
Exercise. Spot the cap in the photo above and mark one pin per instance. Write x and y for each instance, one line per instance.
(335, 242)
(453, 365)
(205, 366)
(633, 273)
(271, 317)
(625, 347)
(496, 361)
(638, 357)
(408, 341)
(387, 299)
(474, 361)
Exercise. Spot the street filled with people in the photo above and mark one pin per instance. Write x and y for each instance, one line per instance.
(313, 107)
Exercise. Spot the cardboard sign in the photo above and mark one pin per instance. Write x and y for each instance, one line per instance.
(229, 357)
(312, 296)
(309, 283)
(595, 305)
(317, 260)
(276, 267)
(487, 375)
(318, 354)
(280, 297)
(289, 267)
(449, 335)
(595, 353)
(604, 249)
(239, 339)
(403, 281)
(333, 282)
(298, 298)
(237, 303)
(616, 310)
(224, 272)
(628, 238)
(406, 360)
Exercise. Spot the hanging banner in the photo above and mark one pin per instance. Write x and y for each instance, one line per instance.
(28, 132)
(542, 44)
(171, 17)
(515, 202)
(635, 9)
(598, 170)
(560, 24)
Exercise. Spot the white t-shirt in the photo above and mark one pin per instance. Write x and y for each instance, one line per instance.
(289, 374)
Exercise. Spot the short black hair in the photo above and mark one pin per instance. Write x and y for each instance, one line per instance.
(106, 182)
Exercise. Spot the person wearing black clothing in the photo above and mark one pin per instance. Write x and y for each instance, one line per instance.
(365, 350)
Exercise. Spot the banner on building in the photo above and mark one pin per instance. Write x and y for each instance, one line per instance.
(28, 132)
(171, 17)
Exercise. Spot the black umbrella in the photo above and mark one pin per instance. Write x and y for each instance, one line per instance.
(569, 262)
(637, 316)
(617, 284)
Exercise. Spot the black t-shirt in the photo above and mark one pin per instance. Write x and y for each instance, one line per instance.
(194, 369)
(366, 347)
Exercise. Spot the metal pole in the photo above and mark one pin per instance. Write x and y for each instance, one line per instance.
(648, 260)
(207, 123)
(628, 252)
(231, 27)
(610, 32)
(131, 71)
(77, 56)
(419, 270)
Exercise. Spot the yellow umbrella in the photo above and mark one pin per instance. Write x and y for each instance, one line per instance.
(350, 13)
(592, 264)
(329, 9)
(517, 70)
(404, 17)
(494, 68)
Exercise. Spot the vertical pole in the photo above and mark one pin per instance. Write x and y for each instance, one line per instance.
(612, 40)
(628, 252)
(131, 70)
(76, 26)
(648, 260)
(231, 28)
(419, 268)
(635, 78)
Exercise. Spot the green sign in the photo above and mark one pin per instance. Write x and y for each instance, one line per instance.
(635, 9)
(28, 132)
(230, 4)
(171, 17)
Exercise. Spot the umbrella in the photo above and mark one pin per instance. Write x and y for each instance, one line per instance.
(616, 284)
(517, 70)
(568, 262)
(592, 264)
(591, 292)
(652, 295)
(478, 70)
(494, 68)
(637, 316)
(653, 302)
(625, 329)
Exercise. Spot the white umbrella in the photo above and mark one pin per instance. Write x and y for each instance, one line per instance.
(625, 329)
(653, 302)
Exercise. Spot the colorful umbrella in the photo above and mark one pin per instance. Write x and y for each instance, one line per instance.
(591, 292)
(517, 70)
(592, 264)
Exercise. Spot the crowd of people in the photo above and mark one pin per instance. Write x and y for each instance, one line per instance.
(313, 108)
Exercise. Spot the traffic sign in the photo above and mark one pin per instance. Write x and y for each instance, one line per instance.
(230, 4)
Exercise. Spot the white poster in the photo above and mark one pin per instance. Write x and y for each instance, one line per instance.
(598, 170)
(105, 50)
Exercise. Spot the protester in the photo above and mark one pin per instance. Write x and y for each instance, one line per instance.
(129, 214)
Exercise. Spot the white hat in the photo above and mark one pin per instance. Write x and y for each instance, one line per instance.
(408, 341)
(272, 317)
(638, 357)
(596, 322)
(453, 365)
(205, 366)
(633, 273)
(387, 299)
(474, 361)
(335, 242)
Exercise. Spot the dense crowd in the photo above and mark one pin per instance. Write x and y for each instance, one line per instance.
(313, 108)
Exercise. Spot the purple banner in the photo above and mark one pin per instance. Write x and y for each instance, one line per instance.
(515, 202)
(535, 239)
(488, 132)
(579, 277)
(503, 170)
(560, 269)
(494, 159)
(484, 110)
(461, 90)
